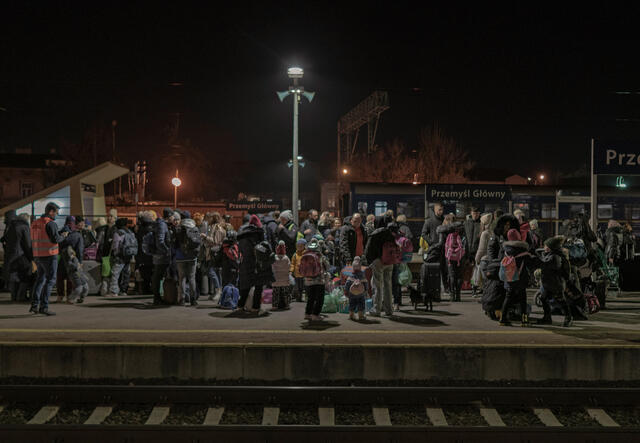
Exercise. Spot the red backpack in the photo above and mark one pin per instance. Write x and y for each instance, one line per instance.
(453, 248)
(310, 265)
(391, 254)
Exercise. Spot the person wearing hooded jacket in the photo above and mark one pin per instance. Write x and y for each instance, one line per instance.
(555, 274)
(287, 231)
(270, 226)
(249, 235)
(382, 273)
(516, 291)
(18, 256)
(187, 247)
(75, 240)
(429, 229)
(614, 240)
(144, 262)
(494, 291)
(162, 256)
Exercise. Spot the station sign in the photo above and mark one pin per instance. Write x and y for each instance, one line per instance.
(616, 158)
(254, 206)
(440, 192)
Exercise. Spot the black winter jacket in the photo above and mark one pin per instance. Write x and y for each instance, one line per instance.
(17, 244)
(248, 237)
(614, 239)
(513, 249)
(429, 228)
(377, 238)
(308, 224)
(472, 231)
(74, 239)
(289, 235)
(555, 272)
(348, 239)
(270, 225)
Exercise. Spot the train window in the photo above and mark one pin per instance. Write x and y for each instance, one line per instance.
(407, 209)
(632, 212)
(548, 211)
(380, 208)
(605, 211)
(575, 209)
(362, 207)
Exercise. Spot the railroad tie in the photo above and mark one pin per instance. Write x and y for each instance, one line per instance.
(327, 416)
(213, 417)
(158, 415)
(99, 415)
(45, 414)
(381, 416)
(436, 417)
(602, 417)
(491, 416)
(270, 416)
(547, 417)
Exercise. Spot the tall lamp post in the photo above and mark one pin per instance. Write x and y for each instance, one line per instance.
(176, 182)
(297, 91)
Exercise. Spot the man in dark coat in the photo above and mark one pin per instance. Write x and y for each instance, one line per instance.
(435, 219)
(309, 227)
(270, 226)
(353, 239)
(144, 262)
(287, 231)
(18, 256)
(162, 256)
(472, 230)
(249, 236)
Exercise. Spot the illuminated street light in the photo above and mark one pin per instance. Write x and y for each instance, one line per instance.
(298, 91)
(345, 171)
(541, 176)
(176, 182)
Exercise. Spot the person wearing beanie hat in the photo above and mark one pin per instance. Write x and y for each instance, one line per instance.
(514, 272)
(555, 274)
(167, 212)
(282, 286)
(121, 255)
(295, 268)
(313, 261)
(287, 231)
(355, 289)
(255, 221)
(45, 239)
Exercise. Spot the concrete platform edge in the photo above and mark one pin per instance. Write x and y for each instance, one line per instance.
(310, 362)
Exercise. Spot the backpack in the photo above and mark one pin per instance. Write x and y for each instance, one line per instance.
(592, 302)
(404, 244)
(577, 249)
(509, 270)
(229, 298)
(310, 265)
(149, 243)
(191, 240)
(391, 254)
(232, 252)
(128, 244)
(264, 257)
(453, 248)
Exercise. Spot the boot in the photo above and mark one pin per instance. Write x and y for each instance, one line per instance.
(568, 321)
(504, 320)
(525, 321)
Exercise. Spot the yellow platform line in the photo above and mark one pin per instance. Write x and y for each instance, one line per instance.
(319, 345)
(275, 331)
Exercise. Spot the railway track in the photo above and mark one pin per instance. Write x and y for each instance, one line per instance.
(81, 413)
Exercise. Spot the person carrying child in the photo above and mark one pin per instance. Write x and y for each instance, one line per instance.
(74, 273)
(295, 268)
(355, 289)
(555, 274)
(282, 286)
(514, 273)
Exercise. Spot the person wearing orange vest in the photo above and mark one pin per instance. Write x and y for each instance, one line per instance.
(44, 239)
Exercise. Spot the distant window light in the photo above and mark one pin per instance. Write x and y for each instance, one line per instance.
(26, 189)
(380, 208)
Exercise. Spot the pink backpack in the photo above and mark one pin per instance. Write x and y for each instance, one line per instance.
(404, 244)
(453, 249)
(310, 266)
(391, 254)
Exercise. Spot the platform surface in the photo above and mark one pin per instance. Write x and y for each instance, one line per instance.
(133, 319)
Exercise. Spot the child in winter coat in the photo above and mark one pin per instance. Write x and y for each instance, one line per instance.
(281, 287)
(314, 281)
(74, 272)
(355, 289)
(295, 268)
(555, 274)
(516, 290)
(230, 260)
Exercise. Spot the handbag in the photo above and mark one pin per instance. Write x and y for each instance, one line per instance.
(106, 266)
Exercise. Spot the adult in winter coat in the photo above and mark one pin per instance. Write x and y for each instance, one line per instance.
(324, 224)
(555, 274)
(628, 243)
(472, 231)
(249, 236)
(45, 239)
(270, 226)
(614, 241)
(537, 236)
(162, 252)
(494, 291)
(436, 251)
(405, 231)
(382, 284)
(309, 227)
(75, 240)
(435, 219)
(516, 291)
(187, 248)
(287, 231)
(18, 256)
(353, 239)
(485, 223)
(144, 262)
(120, 259)
(211, 254)
(370, 225)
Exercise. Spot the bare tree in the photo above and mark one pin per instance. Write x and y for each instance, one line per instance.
(440, 159)
(390, 164)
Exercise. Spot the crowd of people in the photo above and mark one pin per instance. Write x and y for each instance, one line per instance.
(180, 258)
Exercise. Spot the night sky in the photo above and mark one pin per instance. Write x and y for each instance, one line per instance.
(522, 88)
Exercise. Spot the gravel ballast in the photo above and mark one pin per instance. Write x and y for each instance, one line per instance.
(242, 415)
(129, 414)
(299, 415)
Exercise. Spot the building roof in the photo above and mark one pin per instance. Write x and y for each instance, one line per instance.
(98, 175)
